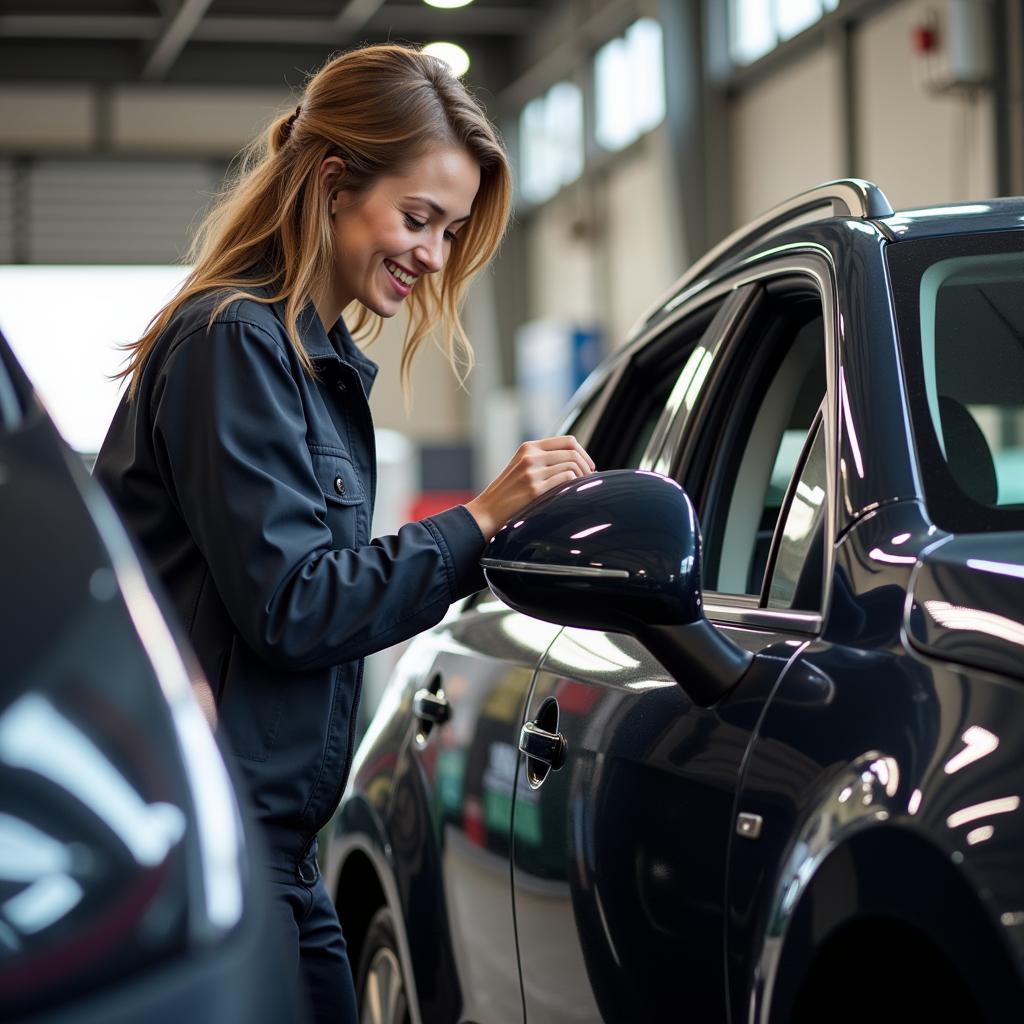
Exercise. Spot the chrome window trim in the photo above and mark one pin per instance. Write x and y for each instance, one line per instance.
(814, 261)
(548, 569)
(775, 619)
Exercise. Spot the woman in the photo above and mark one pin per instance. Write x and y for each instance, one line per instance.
(242, 454)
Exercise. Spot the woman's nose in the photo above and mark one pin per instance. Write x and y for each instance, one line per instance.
(430, 254)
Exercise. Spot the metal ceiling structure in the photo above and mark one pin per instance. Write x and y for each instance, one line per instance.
(244, 42)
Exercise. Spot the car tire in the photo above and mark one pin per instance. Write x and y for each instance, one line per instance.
(381, 990)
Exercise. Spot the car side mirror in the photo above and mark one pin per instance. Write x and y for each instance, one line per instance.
(619, 551)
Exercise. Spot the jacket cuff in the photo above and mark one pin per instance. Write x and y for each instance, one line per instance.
(461, 544)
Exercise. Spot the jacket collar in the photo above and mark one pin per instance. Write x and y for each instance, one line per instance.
(334, 346)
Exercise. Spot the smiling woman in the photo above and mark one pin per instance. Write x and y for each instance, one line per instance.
(242, 454)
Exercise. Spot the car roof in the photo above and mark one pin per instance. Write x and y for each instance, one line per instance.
(1004, 214)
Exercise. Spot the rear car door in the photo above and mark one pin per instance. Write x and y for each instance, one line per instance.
(620, 856)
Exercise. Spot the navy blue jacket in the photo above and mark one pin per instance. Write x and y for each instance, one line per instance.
(250, 485)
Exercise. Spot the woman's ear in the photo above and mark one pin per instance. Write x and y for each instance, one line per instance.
(332, 173)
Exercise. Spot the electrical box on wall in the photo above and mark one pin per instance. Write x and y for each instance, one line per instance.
(953, 45)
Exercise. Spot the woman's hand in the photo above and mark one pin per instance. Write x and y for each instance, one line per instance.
(536, 468)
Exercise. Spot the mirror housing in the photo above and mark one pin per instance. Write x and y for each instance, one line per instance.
(619, 551)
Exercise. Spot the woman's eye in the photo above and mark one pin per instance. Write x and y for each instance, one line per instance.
(450, 236)
(416, 225)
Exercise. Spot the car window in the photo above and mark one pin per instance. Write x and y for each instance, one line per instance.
(641, 403)
(766, 404)
(796, 576)
(960, 311)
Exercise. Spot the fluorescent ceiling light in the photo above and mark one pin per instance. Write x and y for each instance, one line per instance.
(454, 56)
(447, 4)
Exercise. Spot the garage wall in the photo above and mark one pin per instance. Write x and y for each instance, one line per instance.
(644, 238)
(6, 211)
(134, 119)
(613, 257)
(786, 134)
(561, 259)
(921, 148)
(787, 129)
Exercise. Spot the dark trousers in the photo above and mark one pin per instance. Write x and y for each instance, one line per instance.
(304, 915)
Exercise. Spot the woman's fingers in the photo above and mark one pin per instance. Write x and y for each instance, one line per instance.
(536, 468)
(564, 443)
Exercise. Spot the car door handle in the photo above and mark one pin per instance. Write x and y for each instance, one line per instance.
(541, 745)
(431, 707)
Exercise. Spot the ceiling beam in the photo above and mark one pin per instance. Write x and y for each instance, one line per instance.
(170, 44)
(80, 26)
(398, 20)
(354, 14)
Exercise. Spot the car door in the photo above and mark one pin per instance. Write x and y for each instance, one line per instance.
(460, 765)
(619, 857)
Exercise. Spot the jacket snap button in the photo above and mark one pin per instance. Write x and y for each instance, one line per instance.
(339, 485)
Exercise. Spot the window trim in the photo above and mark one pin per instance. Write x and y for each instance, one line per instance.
(813, 263)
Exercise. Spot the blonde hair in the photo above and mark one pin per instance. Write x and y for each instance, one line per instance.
(378, 108)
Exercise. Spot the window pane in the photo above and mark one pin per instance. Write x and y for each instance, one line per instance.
(759, 458)
(536, 176)
(551, 141)
(972, 320)
(564, 131)
(793, 16)
(796, 582)
(647, 56)
(751, 31)
(615, 125)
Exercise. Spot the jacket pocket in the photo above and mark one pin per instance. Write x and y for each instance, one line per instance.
(338, 478)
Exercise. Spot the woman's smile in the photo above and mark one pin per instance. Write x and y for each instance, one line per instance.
(401, 278)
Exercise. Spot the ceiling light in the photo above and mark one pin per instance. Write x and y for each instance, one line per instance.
(454, 56)
(447, 5)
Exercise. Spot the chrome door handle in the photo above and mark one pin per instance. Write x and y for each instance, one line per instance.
(541, 745)
(431, 707)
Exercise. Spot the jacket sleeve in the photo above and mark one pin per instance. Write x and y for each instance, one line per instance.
(230, 436)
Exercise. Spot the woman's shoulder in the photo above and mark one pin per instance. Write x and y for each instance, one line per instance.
(219, 313)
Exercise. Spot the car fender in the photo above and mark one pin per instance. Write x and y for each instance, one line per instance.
(360, 832)
(830, 877)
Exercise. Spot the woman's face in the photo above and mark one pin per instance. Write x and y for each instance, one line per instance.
(402, 228)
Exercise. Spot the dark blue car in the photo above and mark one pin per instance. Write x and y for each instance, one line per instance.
(738, 733)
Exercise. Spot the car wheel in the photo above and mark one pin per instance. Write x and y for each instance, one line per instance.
(381, 988)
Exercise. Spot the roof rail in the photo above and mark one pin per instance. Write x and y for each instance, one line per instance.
(847, 197)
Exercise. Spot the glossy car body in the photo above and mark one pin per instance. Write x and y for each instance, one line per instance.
(834, 832)
(127, 890)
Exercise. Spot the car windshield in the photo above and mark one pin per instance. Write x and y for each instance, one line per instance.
(960, 311)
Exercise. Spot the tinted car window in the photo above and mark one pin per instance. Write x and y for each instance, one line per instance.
(759, 448)
(960, 312)
(642, 398)
(796, 575)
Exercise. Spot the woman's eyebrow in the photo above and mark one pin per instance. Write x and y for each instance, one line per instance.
(439, 210)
